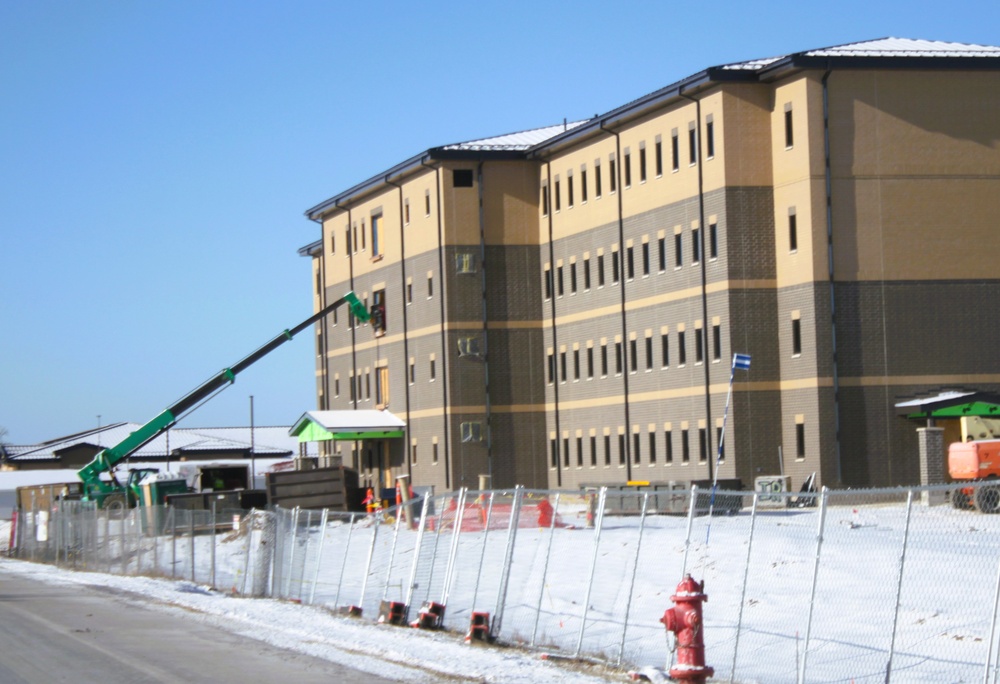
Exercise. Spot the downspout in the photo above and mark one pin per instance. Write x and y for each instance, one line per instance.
(624, 318)
(555, 328)
(703, 232)
(444, 366)
(406, 340)
(486, 344)
(829, 250)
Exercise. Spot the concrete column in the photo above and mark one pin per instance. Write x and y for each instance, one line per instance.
(932, 458)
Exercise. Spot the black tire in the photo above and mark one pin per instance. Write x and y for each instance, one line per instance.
(115, 505)
(961, 500)
(987, 499)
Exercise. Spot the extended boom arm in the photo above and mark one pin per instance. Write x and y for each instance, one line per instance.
(108, 458)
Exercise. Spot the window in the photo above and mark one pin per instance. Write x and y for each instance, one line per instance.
(597, 178)
(379, 325)
(434, 451)
(662, 249)
(642, 163)
(572, 277)
(333, 243)
(685, 447)
(633, 353)
(593, 451)
(709, 137)
(713, 241)
(600, 270)
(649, 352)
(569, 190)
(678, 252)
(612, 173)
(430, 285)
(382, 387)
(433, 373)
(548, 283)
(652, 447)
(793, 231)
(692, 144)
(668, 455)
(413, 371)
(583, 184)
(695, 245)
(716, 342)
(630, 262)
(789, 133)
(796, 337)
(545, 200)
(409, 291)
(604, 360)
(558, 197)
(427, 203)
(351, 246)
(622, 448)
(645, 259)
(336, 386)
(462, 178)
(636, 444)
(675, 151)
(576, 365)
(368, 386)
(554, 452)
(552, 367)
(615, 266)
(699, 345)
(586, 274)
(607, 450)
(800, 440)
(619, 358)
(413, 453)
(579, 451)
(627, 168)
(590, 363)
(363, 234)
(562, 366)
(559, 281)
(658, 156)
(681, 349)
(702, 444)
(406, 211)
(350, 381)
(376, 229)
(665, 350)
(566, 452)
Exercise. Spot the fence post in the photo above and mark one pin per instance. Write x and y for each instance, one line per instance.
(286, 572)
(743, 591)
(515, 514)
(191, 542)
(343, 566)
(690, 522)
(368, 564)
(323, 519)
(812, 594)
(121, 539)
(453, 549)
(598, 524)
(416, 551)
(545, 571)
(482, 555)
(173, 542)
(392, 553)
(215, 522)
(635, 567)
(305, 558)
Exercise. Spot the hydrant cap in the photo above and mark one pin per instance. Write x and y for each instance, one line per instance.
(689, 590)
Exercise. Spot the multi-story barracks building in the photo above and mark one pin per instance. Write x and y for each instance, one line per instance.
(562, 305)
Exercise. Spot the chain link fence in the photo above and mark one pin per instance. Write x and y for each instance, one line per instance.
(835, 586)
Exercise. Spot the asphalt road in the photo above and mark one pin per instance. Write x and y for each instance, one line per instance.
(51, 633)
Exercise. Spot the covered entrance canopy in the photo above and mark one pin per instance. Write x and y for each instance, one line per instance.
(952, 404)
(319, 426)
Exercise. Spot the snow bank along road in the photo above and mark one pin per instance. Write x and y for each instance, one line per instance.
(176, 631)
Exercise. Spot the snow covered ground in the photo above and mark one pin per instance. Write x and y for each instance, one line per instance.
(405, 654)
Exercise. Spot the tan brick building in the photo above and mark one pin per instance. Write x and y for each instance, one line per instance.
(562, 305)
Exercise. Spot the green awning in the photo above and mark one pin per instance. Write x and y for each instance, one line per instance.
(953, 404)
(321, 426)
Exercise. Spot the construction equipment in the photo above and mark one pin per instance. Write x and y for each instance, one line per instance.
(112, 494)
(974, 461)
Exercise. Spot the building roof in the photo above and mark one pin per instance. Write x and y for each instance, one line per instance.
(951, 404)
(273, 442)
(350, 424)
(540, 142)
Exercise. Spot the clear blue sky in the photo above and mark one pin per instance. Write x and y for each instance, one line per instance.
(156, 159)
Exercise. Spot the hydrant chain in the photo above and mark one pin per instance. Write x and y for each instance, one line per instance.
(684, 620)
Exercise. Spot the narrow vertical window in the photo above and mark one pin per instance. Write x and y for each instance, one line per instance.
(600, 270)
(668, 446)
(572, 277)
(604, 360)
(702, 444)
(607, 450)
(613, 173)
(645, 258)
(579, 452)
(685, 447)
(558, 195)
(432, 371)
(376, 241)
(658, 156)
(552, 368)
(636, 447)
(627, 168)
(545, 200)
(675, 151)
(713, 241)
(406, 212)
(413, 371)
(716, 342)
(597, 178)
(548, 283)
(562, 366)
(695, 245)
(789, 132)
(590, 363)
(699, 345)
(793, 231)
(692, 144)
(565, 452)
(619, 358)
(796, 337)
(649, 352)
(427, 203)
(642, 163)
(559, 280)
(583, 184)
(576, 364)
(652, 447)
(333, 243)
(363, 233)
(554, 451)
(681, 349)
(678, 250)
(630, 262)
(665, 350)
(800, 440)
(622, 447)
(709, 137)
(633, 351)
(662, 248)
(569, 190)
(430, 286)
(586, 274)
(615, 267)
(593, 451)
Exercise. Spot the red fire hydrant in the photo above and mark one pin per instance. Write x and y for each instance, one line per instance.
(684, 620)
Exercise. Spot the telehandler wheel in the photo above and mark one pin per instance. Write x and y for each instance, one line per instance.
(115, 505)
(961, 500)
(988, 499)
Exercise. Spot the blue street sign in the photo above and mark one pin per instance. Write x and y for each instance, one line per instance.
(741, 361)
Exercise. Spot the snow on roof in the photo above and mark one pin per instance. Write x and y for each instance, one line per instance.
(522, 140)
(355, 421)
(267, 441)
(880, 47)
